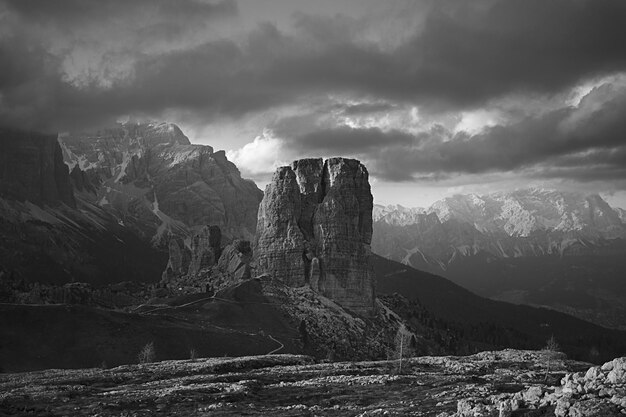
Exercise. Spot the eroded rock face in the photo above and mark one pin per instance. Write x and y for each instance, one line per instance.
(32, 169)
(315, 227)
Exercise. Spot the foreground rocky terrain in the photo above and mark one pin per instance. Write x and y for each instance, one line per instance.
(496, 383)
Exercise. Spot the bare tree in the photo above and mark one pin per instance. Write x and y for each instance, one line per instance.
(147, 353)
(551, 349)
(402, 345)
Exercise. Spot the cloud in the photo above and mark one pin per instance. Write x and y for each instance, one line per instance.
(81, 62)
(571, 142)
(258, 158)
(367, 108)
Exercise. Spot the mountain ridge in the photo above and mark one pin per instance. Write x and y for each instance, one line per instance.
(533, 246)
(152, 170)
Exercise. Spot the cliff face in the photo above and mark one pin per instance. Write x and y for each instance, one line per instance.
(32, 169)
(315, 228)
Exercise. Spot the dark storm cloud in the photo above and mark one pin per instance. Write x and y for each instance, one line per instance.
(365, 108)
(48, 80)
(516, 45)
(587, 140)
(464, 54)
(342, 140)
(84, 12)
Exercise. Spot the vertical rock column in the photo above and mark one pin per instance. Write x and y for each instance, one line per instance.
(279, 242)
(315, 228)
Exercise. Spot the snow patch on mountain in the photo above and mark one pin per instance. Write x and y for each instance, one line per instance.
(397, 214)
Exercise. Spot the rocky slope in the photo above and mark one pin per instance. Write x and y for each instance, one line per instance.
(315, 228)
(530, 246)
(598, 391)
(51, 232)
(497, 383)
(152, 172)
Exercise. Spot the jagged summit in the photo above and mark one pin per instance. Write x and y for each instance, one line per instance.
(315, 228)
(517, 213)
(152, 172)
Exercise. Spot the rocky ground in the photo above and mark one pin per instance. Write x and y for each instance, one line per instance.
(498, 383)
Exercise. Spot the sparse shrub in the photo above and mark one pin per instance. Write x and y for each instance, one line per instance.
(552, 345)
(330, 354)
(147, 353)
(193, 355)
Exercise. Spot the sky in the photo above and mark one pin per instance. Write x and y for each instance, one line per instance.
(435, 97)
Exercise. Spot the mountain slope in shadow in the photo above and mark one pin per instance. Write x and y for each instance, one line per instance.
(445, 305)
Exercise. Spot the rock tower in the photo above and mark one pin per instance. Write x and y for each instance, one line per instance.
(315, 228)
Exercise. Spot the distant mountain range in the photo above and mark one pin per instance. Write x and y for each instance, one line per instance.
(558, 249)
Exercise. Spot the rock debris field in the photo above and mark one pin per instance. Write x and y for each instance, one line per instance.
(499, 383)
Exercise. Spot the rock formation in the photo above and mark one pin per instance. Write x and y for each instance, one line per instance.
(315, 228)
(206, 247)
(205, 265)
(32, 169)
(235, 260)
(179, 259)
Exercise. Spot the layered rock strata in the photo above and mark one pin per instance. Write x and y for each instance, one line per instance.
(315, 228)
